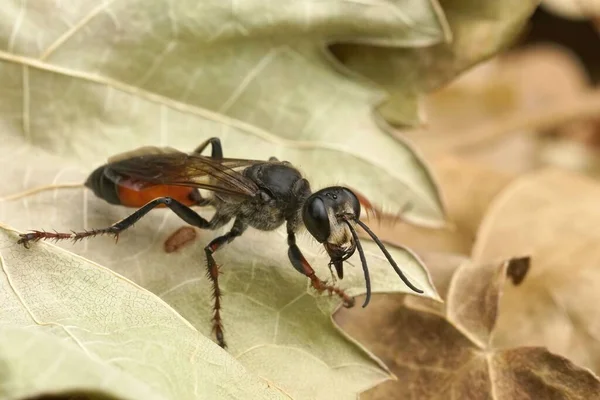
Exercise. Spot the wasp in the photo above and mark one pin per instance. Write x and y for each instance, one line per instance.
(263, 195)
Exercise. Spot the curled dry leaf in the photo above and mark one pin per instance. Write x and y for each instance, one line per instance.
(554, 217)
(474, 31)
(68, 325)
(449, 355)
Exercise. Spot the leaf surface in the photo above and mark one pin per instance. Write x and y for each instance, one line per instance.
(68, 325)
(269, 310)
(440, 353)
(553, 217)
(120, 74)
(84, 82)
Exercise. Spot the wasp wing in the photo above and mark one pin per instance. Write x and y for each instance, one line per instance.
(142, 151)
(170, 167)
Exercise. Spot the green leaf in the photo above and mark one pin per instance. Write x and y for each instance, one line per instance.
(119, 74)
(275, 324)
(88, 80)
(68, 325)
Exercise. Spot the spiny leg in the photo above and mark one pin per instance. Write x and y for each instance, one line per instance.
(213, 273)
(183, 211)
(302, 266)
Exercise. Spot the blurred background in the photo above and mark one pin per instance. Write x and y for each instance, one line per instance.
(515, 146)
(535, 104)
(532, 106)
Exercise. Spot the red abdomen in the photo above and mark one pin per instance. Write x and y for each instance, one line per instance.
(133, 198)
(114, 193)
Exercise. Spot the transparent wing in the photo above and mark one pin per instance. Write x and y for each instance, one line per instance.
(171, 167)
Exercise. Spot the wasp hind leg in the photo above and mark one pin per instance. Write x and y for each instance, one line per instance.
(213, 274)
(183, 211)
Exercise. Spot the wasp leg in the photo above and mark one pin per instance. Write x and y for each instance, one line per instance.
(300, 263)
(216, 148)
(195, 196)
(216, 152)
(213, 274)
(184, 212)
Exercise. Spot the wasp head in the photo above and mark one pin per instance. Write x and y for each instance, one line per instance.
(330, 215)
(325, 215)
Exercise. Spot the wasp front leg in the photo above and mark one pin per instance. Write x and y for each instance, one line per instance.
(302, 266)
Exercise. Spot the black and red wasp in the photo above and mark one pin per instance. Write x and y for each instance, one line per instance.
(259, 194)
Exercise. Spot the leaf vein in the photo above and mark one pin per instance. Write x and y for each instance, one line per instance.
(74, 29)
(17, 26)
(214, 116)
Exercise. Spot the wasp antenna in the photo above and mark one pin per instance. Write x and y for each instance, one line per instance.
(363, 261)
(388, 256)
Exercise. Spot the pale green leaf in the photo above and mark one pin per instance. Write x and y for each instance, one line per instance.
(67, 324)
(270, 312)
(88, 80)
(114, 75)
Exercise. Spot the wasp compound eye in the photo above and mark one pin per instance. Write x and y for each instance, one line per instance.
(316, 218)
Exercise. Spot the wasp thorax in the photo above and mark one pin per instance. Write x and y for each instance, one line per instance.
(324, 212)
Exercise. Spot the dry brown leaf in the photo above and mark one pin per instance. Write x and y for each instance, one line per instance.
(503, 84)
(474, 31)
(553, 216)
(485, 113)
(513, 82)
(467, 189)
(442, 267)
(446, 239)
(450, 356)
